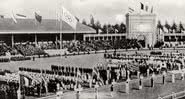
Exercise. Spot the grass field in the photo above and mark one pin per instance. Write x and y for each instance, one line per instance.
(87, 61)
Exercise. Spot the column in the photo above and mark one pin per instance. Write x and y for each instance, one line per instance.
(152, 81)
(173, 78)
(128, 75)
(138, 74)
(182, 75)
(12, 39)
(35, 39)
(56, 40)
(164, 74)
(140, 84)
(60, 40)
(148, 72)
(127, 87)
(75, 36)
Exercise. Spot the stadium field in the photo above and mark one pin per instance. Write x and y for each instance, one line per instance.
(88, 60)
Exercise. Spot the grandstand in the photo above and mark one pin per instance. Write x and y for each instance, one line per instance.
(49, 30)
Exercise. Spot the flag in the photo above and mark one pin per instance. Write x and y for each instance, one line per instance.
(25, 80)
(152, 9)
(38, 17)
(142, 6)
(146, 8)
(45, 82)
(13, 17)
(21, 16)
(69, 18)
(77, 19)
(131, 10)
(2, 16)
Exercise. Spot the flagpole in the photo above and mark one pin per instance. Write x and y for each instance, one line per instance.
(60, 27)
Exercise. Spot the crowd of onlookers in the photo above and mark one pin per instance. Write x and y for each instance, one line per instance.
(48, 45)
(29, 50)
(80, 46)
(4, 49)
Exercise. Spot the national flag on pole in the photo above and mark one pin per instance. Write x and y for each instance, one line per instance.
(142, 6)
(77, 19)
(130, 9)
(2, 16)
(38, 17)
(13, 17)
(21, 15)
(152, 9)
(69, 18)
(146, 8)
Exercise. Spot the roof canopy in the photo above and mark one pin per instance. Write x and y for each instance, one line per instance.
(7, 26)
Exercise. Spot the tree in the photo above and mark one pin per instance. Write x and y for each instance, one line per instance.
(84, 22)
(159, 26)
(104, 29)
(117, 28)
(122, 28)
(110, 28)
(181, 27)
(92, 23)
(174, 27)
(167, 26)
(97, 26)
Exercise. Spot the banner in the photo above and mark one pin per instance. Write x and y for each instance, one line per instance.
(142, 6)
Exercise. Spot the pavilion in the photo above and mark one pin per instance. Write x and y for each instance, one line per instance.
(33, 31)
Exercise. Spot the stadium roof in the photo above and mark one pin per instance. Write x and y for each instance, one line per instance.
(8, 26)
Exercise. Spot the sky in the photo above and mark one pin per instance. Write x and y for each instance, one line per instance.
(106, 11)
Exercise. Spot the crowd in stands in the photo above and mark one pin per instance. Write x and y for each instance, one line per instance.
(81, 46)
(29, 50)
(72, 46)
(48, 45)
(4, 49)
